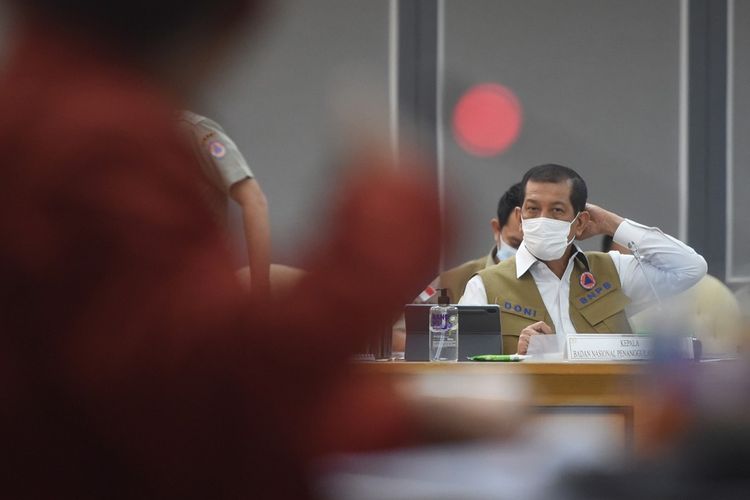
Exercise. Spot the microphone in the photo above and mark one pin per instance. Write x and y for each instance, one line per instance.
(695, 345)
(637, 254)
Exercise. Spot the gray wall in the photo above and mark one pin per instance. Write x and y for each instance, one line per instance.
(598, 81)
(279, 101)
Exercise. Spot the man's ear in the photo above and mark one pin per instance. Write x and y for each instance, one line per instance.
(496, 228)
(583, 220)
(516, 215)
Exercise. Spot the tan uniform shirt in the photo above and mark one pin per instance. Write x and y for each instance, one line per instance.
(711, 312)
(455, 279)
(221, 161)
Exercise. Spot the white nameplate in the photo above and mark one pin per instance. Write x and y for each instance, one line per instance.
(608, 347)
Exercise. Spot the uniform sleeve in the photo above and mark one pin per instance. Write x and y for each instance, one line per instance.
(668, 265)
(475, 293)
(220, 157)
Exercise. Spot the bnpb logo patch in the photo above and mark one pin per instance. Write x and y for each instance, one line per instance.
(587, 281)
(217, 149)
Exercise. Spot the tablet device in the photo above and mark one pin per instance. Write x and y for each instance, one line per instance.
(478, 331)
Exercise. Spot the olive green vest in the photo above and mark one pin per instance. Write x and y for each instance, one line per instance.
(455, 279)
(599, 310)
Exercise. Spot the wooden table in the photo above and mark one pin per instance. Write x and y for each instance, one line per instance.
(578, 396)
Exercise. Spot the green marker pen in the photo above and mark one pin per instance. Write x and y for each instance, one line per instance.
(498, 357)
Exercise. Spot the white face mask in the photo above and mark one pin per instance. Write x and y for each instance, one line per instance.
(547, 238)
(505, 251)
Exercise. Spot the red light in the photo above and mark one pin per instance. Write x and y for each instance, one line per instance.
(487, 119)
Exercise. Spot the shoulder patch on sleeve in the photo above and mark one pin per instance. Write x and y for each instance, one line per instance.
(217, 149)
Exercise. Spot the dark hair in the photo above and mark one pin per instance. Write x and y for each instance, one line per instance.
(139, 25)
(508, 201)
(554, 173)
(607, 243)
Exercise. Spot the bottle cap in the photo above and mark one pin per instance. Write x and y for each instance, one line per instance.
(443, 298)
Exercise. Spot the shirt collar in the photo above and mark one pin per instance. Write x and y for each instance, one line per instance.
(524, 259)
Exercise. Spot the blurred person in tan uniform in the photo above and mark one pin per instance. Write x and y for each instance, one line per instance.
(743, 299)
(506, 231)
(712, 308)
(228, 175)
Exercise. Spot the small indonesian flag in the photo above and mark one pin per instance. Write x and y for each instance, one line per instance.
(427, 294)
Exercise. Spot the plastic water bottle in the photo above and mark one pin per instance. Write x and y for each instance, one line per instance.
(444, 330)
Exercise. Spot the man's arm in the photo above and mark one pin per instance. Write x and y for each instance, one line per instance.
(250, 197)
(226, 168)
(668, 264)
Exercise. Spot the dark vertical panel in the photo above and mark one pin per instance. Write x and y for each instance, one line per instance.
(417, 67)
(417, 78)
(707, 132)
(740, 160)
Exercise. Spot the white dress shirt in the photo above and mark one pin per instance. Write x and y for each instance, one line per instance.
(671, 266)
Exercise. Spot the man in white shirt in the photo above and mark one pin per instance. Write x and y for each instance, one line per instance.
(551, 286)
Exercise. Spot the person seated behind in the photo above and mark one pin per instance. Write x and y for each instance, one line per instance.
(551, 286)
(228, 175)
(506, 229)
(712, 308)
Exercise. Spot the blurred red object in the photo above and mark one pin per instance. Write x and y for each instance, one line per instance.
(487, 119)
(131, 365)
